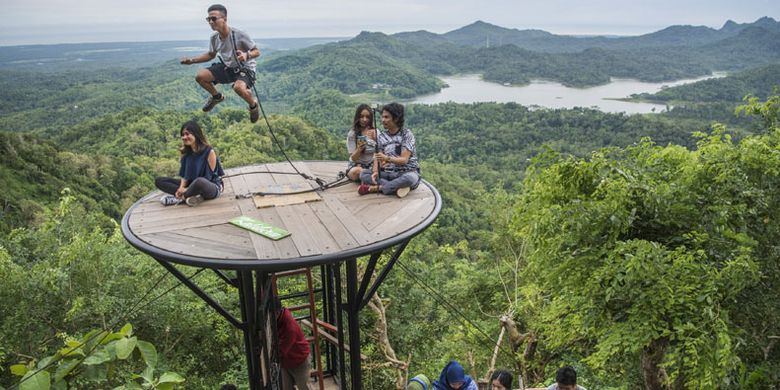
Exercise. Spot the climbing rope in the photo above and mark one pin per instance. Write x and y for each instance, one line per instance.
(341, 179)
(321, 183)
(443, 301)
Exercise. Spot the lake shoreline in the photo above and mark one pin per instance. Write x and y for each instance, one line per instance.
(612, 97)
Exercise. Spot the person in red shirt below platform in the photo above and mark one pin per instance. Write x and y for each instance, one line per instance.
(293, 350)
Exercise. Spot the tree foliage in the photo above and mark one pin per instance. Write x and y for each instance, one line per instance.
(654, 253)
(646, 254)
(93, 361)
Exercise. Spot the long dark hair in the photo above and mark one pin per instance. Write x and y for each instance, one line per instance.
(200, 138)
(504, 378)
(356, 120)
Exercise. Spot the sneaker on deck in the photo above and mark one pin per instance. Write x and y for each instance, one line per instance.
(193, 201)
(254, 113)
(169, 200)
(213, 101)
(403, 191)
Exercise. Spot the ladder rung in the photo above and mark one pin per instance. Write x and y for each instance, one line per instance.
(299, 307)
(291, 272)
(332, 339)
(299, 294)
(327, 326)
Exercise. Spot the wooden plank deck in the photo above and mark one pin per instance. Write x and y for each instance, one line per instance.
(330, 384)
(342, 220)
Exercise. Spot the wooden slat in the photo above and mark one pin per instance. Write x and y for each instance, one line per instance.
(399, 222)
(342, 220)
(151, 214)
(241, 182)
(330, 384)
(368, 203)
(332, 339)
(193, 221)
(183, 243)
(225, 233)
(349, 221)
(290, 197)
(340, 234)
(259, 178)
(380, 211)
(307, 233)
(264, 247)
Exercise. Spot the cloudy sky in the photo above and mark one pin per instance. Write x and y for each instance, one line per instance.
(59, 21)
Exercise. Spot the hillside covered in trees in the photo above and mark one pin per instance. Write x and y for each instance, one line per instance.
(423, 55)
(640, 249)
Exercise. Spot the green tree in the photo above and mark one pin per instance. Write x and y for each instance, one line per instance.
(100, 358)
(642, 254)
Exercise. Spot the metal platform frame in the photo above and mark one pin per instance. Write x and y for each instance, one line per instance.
(253, 279)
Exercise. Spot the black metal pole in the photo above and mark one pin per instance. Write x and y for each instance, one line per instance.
(368, 274)
(202, 294)
(353, 319)
(340, 324)
(226, 278)
(248, 308)
(382, 275)
(328, 305)
(267, 323)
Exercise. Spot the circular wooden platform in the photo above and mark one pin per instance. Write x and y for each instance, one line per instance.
(339, 226)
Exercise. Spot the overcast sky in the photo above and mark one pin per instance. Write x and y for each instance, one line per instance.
(59, 21)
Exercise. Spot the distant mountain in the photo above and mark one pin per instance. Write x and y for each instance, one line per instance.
(675, 36)
(482, 34)
(405, 64)
(752, 46)
(370, 62)
(422, 37)
(485, 34)
(766, 22)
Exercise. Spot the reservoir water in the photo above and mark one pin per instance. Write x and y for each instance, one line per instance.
(471, 88)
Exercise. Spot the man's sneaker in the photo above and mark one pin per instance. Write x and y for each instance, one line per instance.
(193, 201)
(254, 113)
(403, 191)
(169, 200)
(213, 101)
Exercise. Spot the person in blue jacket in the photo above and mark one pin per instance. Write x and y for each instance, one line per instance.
(453, 377)
(199, 170)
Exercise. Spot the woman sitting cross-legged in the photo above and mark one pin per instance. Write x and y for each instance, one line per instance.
(361, 142)
(200, 170)
(395, 169)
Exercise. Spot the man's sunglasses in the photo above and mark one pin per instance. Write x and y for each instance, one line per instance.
(212, 19)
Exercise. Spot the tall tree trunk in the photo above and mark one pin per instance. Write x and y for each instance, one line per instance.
(652, 356)
(377, 305)
(516, 340)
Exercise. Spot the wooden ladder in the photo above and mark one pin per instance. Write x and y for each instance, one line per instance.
(312, 307)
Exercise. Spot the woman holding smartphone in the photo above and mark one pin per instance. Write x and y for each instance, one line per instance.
(361, 142)
(396, 169)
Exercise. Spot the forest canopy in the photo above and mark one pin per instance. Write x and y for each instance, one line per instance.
(641, 249)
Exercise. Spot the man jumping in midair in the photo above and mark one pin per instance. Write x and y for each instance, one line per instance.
(237, 52)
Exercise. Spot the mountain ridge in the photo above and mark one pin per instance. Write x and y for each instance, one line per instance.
(481, 33)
